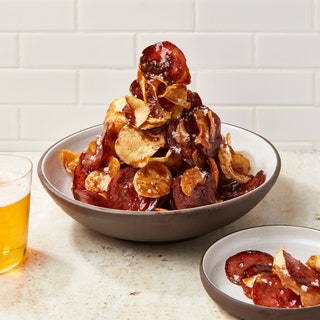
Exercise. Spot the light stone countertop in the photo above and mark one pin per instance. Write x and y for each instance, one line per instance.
(72, 272)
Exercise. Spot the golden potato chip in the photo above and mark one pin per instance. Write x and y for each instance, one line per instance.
(140, 108)
(158, 116)
(214, 170)
(156, 122)
(314, 262)
(153, 180)
(115, 118)
(97, 181)
(93, 145)
(177, 94)
(204, 126)
(177, 111)
(234, 165)
(135, 147)
(198, 158)
(69, 159)
(181, 135)
(113, 166)
(172, 160)
(190, 178)
(239, 161)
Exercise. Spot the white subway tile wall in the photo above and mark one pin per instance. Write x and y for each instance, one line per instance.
(255, 62)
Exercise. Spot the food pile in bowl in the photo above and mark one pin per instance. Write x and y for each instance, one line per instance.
(160, 148)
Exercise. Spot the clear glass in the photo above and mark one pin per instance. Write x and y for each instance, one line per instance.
(15, 187)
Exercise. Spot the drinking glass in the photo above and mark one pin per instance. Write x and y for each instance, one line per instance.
(15, 186)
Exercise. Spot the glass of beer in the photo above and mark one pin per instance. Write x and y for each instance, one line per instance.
(15, 186)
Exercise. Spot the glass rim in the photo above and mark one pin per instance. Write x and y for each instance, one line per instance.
(22, 175)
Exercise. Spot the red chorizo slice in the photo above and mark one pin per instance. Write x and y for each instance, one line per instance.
(79, 176)
(237, 264)
(297, 277)
(166, 61)
(268, 291)
(230, 189)
(194, 99)
(90, 197)
(250, 274)
(257, 269)
(300, 272)
(122, 195)
(202, 194)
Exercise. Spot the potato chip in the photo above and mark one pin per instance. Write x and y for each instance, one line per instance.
(190, 178)
(234, 165)
(172, 160)
(314, 262)
(181, 135)
(198, 159)
(135, 147)
(206, 127)
(114, 114)
(158, 116)
(113, 166)
(214, 170)
(156, 122)
(153, 180)
(140, 108)
(69, 159)
(97, 181)
(177, 94)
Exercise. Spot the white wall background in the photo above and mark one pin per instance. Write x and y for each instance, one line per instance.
(256, 62)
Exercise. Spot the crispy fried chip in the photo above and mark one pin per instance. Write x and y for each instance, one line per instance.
(113, 166)
(214, 170)
(156, 122)
(190, 178)
(135, 147)
(114, 117)
(172, 160)
(234, 165)
(177, 94)
(69, 159)
(140, 108)
(181, 135)
(97, 181)
(203, 125)
(153, 181)
(158, 116)
(314, 262)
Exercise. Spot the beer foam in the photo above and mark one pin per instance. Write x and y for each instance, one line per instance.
(12, 189)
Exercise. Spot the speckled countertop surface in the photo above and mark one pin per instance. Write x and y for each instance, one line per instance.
(74, 273)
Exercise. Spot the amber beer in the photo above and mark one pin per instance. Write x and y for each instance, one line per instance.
(15, 181)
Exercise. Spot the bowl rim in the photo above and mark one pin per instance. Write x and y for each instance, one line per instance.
(242, 304)
(61, 196)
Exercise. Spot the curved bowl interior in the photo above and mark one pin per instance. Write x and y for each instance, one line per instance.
(299, 241)
(158, 226)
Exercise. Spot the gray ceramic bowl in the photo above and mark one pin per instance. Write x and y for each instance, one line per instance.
(158, 226)
(299, 241)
